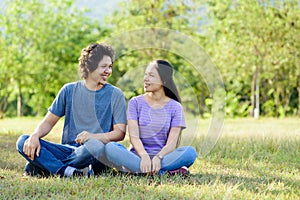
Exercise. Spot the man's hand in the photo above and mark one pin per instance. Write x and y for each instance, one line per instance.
(83, 137)
(32, 146)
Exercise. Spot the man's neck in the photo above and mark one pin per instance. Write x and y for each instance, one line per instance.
(92, 86)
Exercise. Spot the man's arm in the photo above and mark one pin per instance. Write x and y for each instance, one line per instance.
(117, 134)
(32, 144)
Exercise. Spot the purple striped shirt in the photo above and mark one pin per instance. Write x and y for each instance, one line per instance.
(155, 123)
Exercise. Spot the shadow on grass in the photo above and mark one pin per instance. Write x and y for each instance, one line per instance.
(12, 160)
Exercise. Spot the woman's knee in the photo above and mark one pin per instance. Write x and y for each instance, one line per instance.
(190, 153)
(111, 150)
(94, 147)
(110, 146)
(20, 142)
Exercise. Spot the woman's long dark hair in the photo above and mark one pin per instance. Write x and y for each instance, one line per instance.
(165, 71)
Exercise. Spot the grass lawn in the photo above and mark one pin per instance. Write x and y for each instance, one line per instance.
(253, 159)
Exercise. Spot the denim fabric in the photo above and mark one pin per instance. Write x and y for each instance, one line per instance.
(118, 155)
(55, 156)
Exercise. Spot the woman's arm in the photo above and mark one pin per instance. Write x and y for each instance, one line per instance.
(169, 147)
(137, 144)
(117, 134)
(171, 142)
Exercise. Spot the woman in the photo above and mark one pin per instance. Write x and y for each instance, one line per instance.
(155, 121)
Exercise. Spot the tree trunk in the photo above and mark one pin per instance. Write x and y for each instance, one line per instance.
(256, 110)
(3, 105)
(19, 102)
(277, 100)
(255, 84)
(299, 96)
(255, 93)
(287, 102)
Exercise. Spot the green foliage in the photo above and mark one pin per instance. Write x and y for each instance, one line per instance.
(41, 41)
(254, 40)
(251, 42)
(178, 16)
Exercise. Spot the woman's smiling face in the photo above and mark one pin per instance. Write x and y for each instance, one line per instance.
(152, 80)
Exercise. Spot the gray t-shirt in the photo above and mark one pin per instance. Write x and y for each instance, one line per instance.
(86, 110)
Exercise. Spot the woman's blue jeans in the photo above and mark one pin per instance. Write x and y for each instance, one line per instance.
(118, 155)
(55, 156)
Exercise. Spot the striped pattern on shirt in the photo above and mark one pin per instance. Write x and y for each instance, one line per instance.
(155, 123)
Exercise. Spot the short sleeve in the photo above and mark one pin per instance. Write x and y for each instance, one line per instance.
(59, 103)
(132, 113)
(119, 107)
(178, 117)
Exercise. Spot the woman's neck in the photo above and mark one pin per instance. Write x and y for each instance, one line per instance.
(156, 96)
(156, 99)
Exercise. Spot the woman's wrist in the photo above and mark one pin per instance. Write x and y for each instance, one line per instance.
(160, 157)
(143, 155)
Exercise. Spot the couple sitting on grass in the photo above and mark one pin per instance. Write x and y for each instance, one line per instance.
(95, 120)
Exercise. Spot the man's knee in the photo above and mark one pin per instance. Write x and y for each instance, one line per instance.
(20, 142)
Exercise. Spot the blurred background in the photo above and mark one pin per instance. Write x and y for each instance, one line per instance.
(254, 44)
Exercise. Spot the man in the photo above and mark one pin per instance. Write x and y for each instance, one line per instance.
(95, 114)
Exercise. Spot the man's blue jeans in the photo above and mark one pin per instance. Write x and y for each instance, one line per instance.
(120, 156)
(53, 156)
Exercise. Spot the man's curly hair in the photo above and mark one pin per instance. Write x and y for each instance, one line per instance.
(91, 56)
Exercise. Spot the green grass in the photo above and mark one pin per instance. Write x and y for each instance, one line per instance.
(253, 159)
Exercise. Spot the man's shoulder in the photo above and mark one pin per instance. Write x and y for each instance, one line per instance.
(113, 88)
(67, 88)
(70, 85)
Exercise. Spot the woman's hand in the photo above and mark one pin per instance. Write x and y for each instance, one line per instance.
(83, 137)
(145, 165)
(156, 164)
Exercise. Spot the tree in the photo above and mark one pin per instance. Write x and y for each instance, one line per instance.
(170, 15)
(253, 43)
(41, 45)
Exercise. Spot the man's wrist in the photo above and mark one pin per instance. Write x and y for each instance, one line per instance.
(36, 134)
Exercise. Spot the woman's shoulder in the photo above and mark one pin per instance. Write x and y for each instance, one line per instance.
(137, 98)
(174, 105)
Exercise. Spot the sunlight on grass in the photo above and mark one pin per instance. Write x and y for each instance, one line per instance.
(253, 159)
